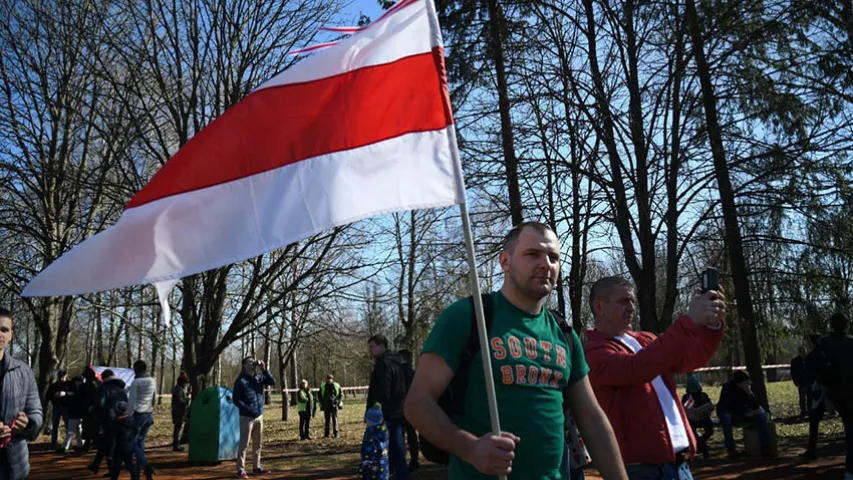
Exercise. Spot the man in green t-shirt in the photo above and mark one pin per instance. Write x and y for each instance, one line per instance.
(532, 362)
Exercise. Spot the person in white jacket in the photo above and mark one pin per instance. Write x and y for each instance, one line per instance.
(143, 393)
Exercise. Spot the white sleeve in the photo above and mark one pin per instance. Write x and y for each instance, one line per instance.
(131, 399)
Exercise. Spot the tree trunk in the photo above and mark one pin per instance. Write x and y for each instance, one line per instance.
(128, 324)
(267, 356)
(162, 378)
(640, 273)
(294, 378)
(282, 374)
(734, 243)
(671, 170)
(53, 318)
(646, 284)
(99, 331)
(496, 28)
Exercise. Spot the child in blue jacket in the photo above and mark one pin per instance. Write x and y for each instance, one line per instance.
(374, 446)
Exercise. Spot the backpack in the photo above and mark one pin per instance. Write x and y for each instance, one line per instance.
(452, 400)
(113, 404)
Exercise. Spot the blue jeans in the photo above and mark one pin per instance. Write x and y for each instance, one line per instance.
(576, 474)
(58, 412)
(760, 421)
(659, 471)
(397, 449)
(143, 423)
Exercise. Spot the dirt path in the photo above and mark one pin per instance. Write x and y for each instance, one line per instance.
(170, 465)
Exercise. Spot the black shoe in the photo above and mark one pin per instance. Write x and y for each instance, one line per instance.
(60, 450)
(94, 468)
(414, 467)
(177, 448)
(706, 452)
(149, 472)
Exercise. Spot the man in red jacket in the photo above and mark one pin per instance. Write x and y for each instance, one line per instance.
(632, 376)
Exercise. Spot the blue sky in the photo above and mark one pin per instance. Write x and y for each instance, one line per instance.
(367, 7)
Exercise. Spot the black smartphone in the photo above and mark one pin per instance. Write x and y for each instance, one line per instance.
(710, 279)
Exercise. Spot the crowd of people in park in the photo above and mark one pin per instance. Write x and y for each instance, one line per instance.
(562, 403)
(101, 412)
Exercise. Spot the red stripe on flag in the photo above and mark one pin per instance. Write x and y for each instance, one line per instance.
(283, 125)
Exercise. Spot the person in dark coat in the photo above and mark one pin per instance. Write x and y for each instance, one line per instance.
(118, 441)
(837, 382)
(89, 394)
(801, 379)
(76, 408)
(411, 433)
(739, 405)
(180, 407)
(331, 400)
(388, 387)
(57, 396)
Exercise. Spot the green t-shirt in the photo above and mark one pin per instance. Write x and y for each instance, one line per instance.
(531, 364)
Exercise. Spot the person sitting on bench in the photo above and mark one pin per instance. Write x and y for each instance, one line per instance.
(738, 405)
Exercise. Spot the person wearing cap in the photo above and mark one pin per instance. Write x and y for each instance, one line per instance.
(698, 407)
(738, 405)
(331, 400)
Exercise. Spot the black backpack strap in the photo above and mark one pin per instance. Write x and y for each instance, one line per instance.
(564, 326)
(567, 333)
(459, 384)
(473, 345)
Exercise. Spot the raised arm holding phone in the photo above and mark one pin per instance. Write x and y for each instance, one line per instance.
(631, 373)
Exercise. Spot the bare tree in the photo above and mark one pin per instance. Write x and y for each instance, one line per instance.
(62, 135)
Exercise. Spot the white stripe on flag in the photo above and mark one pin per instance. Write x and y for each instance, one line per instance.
(313, 48)
(203, 229)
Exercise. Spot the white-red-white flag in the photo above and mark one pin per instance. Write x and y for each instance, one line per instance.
(361, 128)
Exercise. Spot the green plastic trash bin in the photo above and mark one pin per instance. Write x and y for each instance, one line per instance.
(215, 426)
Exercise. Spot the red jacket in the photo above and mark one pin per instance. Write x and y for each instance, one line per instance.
(622, 382)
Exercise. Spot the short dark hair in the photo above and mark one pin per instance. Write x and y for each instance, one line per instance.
(5, 312)
(740, 376)
(838, 322)
(378, 339)
(511, 238)
(249, 357)
(603, 286)
(140, 367)
(406, 354)
(107, 374)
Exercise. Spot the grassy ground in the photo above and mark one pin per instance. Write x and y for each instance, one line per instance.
(290, 458)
